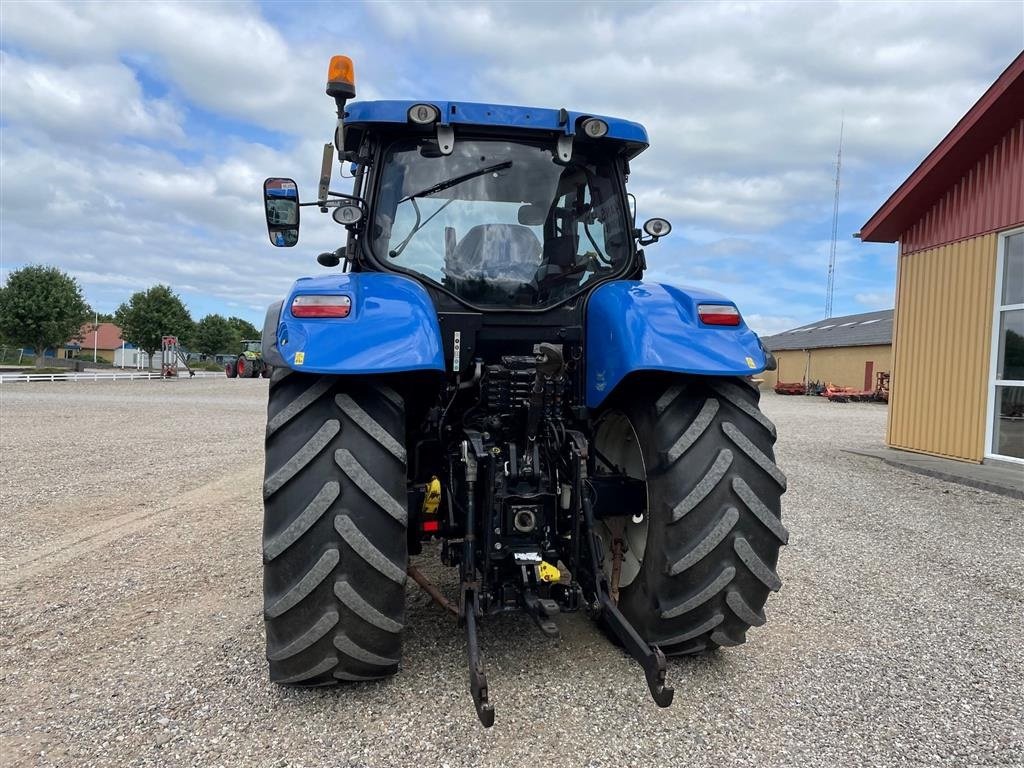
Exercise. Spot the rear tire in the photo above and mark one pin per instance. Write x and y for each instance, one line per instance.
(334, 533)
(713, 519)
(246, 369)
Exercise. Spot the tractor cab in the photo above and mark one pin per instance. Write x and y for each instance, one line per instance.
(494, 207)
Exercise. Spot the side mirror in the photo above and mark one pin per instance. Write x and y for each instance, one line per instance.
(655, 229)
(281, 203)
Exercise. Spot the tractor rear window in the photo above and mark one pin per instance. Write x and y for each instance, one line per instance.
(499, 223)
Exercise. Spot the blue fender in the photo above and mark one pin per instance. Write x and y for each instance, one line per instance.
(639, 326)
(392, 327)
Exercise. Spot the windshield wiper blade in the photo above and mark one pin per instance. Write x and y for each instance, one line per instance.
(448, 183)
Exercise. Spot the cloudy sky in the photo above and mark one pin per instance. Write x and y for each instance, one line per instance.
(135, 137)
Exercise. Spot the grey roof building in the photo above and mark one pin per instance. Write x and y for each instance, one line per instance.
(866, 329)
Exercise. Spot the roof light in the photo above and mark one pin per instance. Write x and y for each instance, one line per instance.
(718, 314)
(423, 114)
(311, 305)
(341, 78)
(595, 128)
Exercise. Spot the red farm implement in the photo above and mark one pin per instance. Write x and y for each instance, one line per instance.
(790, 388)
(880, 394)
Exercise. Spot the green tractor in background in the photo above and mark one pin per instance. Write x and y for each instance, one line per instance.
(249, 364)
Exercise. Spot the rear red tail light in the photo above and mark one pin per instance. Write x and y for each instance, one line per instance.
(431, 526)
(718, 314)
(321, 306)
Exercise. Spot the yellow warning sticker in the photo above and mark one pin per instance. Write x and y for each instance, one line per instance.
(547, 572)
(300, 358)
(751, 363)
(432, 498)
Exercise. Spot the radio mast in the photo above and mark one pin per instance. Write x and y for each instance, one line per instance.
(835, 227)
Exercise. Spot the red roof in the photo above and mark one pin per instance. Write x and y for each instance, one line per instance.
(108, 336)
(1001, 106)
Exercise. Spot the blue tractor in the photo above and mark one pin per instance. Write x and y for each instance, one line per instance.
(489, 372)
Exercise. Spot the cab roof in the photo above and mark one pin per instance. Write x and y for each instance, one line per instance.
(632, 135)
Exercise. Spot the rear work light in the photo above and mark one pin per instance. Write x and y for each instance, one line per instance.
(595, 128)
(718, 314)
(321, 306)
(424, 114)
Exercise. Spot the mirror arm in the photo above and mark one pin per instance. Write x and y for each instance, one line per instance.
(358, 199)
(333, 203)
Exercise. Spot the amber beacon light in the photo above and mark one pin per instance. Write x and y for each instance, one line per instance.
(341, 78)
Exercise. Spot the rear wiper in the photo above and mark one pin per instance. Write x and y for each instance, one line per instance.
(448, 183)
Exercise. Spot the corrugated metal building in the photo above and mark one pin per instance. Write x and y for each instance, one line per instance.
(845, 351)
(957, 385)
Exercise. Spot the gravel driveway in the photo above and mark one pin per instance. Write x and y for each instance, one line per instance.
(131, 631)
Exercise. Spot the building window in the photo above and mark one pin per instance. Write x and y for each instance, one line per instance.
(1006, 396)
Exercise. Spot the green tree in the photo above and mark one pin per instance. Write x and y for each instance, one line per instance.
(244, 329)
(150, 315)
(42, 306)
(214, 335)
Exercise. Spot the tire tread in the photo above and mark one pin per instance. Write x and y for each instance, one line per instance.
(714, 494)
(334, 540)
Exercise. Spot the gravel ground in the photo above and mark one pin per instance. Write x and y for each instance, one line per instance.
(131, 632)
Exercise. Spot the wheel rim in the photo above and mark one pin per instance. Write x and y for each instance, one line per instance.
(617, 442)
(241, 368)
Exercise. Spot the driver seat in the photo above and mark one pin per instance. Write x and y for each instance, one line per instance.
(495, 253)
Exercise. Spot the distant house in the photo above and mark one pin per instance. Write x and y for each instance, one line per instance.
(105, 338)
(845, 351)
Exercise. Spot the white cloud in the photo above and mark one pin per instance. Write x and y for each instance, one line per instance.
(90, 101)
(766, 325)
(875, 299)
(223, 57)
(753, 93)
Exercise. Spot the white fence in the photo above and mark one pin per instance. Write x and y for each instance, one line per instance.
(139, 360)
(7, 378)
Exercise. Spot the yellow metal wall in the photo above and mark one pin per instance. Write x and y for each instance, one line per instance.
(941, 339)
(842, 366)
